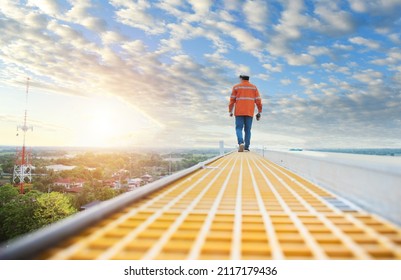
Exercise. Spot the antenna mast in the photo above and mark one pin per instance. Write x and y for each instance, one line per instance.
(23, 169)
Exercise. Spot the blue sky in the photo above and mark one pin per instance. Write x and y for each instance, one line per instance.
(159, 73)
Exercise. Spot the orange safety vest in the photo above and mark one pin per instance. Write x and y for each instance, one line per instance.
(245, 95)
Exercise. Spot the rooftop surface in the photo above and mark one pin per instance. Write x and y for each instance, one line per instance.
(240, 206)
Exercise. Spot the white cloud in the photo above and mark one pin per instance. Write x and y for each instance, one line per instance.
(301, 59)
(94, 24)
(395, 54)
(65, 32)
(179, 32)
(393, 58)
(112, 37)
(201, 8)
(374, 6)
(263, 77)
(21, 15)
(232, 4)
(158, 76)
(288, 31)
(136, 14)
(310, 86)
(382, 30)
(395, 37)
(136, 47)
(341, 84)
(80, 14)
(79, 9)
(173, 2)
(316, 51)
(37, 21)
(256, 13)
(330, 117)
(226, 16)
(371, 44)
(246, 41)
(172, 7)
(358, 5)
(49, 7)
(292, 19)
(335, 20)
(344, 70)
(397, 79)
(369, 77)
(271, 68)
(333, 67)
(343, 47)
(307, 83)
(285, 82)
(329, 66)
(222, 63)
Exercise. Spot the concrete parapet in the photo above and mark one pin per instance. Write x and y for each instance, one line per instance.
(371, 182)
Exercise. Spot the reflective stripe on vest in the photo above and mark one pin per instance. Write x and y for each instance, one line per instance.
(246, 98)
(244, 87)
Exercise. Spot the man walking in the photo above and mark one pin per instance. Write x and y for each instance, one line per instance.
(244, 96)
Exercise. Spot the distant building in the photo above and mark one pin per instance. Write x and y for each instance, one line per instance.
(108, 183)
(74, 190)
(147, 178)
(117, 185)
(120, 172)
(69, 183)
(60, 167)
(134, 183)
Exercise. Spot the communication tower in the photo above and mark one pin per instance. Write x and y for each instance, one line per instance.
(23, 169)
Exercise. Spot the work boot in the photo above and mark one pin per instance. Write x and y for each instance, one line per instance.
(241, 148)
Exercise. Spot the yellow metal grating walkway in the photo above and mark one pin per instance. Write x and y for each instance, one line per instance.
(241, 206)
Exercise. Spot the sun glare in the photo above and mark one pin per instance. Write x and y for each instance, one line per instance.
(102, 123)
(100, 126)
(108, 122)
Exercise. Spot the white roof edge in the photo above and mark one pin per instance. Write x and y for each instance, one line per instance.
(386, 164)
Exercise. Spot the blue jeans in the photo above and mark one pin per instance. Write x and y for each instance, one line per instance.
(243, 123)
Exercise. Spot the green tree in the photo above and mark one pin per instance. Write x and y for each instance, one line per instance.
(52, 207)
(93, 192)
(7, 162)
(39, 186)
(45, 183)
(17, 216)
(7, 193)
(98, 173)
(105, 193)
